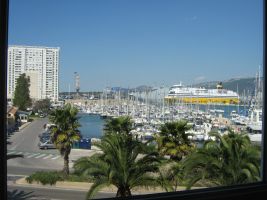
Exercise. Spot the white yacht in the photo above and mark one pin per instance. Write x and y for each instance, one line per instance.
(254, 124)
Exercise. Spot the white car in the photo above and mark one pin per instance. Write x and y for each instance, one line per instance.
(46, 145)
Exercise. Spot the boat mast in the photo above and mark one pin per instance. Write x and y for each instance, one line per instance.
(163, 104)
(237, 99)
(69, 91)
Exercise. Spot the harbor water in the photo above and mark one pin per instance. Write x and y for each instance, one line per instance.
(91, 125)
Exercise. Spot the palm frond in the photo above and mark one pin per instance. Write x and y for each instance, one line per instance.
(98, 185)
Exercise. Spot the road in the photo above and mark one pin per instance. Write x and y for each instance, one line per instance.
(42, 193)
(26, 142)
(27, 139)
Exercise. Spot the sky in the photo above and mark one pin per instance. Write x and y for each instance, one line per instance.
(128, 43)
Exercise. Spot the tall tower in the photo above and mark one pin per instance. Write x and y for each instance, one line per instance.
(77, 83)
(40, 63)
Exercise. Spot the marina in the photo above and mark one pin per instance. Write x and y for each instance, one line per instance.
(148, 117)
(205, 110)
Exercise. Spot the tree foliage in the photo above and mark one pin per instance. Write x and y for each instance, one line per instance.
(171, 175)
(42, 106)
(22, 93)
(121, 163)
(173, 140)
(231, 159)
(65, 132)
(122, 125)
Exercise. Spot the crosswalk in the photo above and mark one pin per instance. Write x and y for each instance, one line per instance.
(35, 155)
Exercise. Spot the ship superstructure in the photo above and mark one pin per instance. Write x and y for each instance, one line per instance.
(202, 95)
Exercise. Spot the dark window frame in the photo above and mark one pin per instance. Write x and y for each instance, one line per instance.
(248, 191)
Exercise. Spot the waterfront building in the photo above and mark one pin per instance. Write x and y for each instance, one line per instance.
(41, 64)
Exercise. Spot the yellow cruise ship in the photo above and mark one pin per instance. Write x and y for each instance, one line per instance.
(201, 95)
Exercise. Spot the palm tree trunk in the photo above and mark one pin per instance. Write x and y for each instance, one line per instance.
(66, 164)
(123, 192)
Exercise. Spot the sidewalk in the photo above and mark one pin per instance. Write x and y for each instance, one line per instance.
(75, 154)
(83, 186)
(23, 126)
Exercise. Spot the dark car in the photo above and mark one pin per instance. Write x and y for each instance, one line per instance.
(45, 138)
(44, 134)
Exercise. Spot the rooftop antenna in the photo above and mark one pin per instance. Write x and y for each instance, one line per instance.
(77, 83)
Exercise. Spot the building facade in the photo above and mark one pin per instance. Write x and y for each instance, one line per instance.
(41, 64)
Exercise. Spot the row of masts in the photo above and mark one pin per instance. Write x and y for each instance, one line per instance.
(150, 110)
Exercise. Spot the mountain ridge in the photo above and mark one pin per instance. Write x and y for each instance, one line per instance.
(240, 85)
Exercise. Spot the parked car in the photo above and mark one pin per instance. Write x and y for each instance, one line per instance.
(44, 134)
(49, 127)
(46, 145)
(45, 138)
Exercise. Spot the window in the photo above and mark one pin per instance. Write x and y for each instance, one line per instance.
(233, 192)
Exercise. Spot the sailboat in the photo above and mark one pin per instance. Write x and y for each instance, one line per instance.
(254, 125)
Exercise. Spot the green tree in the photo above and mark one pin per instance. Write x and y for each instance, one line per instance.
(118, 165)
(65, 132)
(231, 159)
(171, 175)
(173, 140)
(42, 105)
(22, 93)
(122, 125)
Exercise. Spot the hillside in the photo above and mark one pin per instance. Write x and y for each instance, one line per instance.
(243, 84)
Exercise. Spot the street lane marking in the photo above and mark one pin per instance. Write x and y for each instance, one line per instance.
(11, 152)
(48, 156)
(35, 154)
(13, 148)
(42, 155)
(55, 157)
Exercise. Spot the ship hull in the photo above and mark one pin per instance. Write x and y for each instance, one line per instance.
(203, 100)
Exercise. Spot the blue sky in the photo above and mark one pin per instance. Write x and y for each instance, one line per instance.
(129, 43)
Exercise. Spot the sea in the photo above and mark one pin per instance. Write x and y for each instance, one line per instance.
(92, 125)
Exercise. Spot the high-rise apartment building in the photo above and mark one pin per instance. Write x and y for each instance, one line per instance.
(41, 64)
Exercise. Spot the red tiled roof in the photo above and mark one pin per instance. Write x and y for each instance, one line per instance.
(12, 110)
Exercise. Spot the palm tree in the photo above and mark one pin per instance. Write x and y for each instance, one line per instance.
(120, 164)
(65, 132)
(231, 159)
(122, 125)
(171, 175)
(173, 140)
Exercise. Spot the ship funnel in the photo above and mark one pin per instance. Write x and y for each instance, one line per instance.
(219, 86)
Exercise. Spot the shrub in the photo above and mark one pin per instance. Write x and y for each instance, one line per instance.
(77, 178)
(45, 177)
